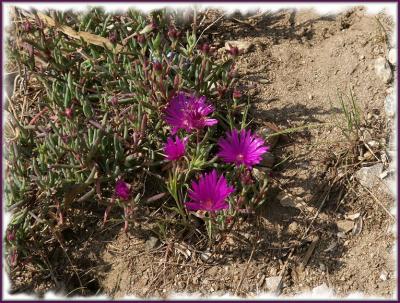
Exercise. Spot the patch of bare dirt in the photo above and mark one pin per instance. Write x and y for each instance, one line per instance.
(297, 62)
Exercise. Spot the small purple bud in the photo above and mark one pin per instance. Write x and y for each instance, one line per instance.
(148, 28)
(143, 125)
(246, 178)
(112, 36)
(27, 26)
(205, 48)
(140, 39)
(157, 66)
(10, 235)
(69, 112)
(135, 137)
(122, 190)
(236, 94)
(232, 73)
(114, 100)
(229, 220)
(14, 257)
(234, 51)
(153, 25)
(65, 138)
(172, 33)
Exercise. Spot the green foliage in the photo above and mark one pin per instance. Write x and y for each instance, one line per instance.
(101, 117)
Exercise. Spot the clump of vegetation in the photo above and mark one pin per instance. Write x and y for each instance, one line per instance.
(133, 113)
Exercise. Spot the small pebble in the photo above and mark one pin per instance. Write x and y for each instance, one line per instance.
(383, 276)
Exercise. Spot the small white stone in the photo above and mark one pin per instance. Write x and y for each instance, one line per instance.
(390, 105)
(368, 176)
(322, 290)
(383, 276)
(272, 282)
(392, 56)
(383, 70)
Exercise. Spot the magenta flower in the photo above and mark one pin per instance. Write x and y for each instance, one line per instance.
(122, 190)
(242, 148)
(209, 193)
(175, 149)
(188, 113)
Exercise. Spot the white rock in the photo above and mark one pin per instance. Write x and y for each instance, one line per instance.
(10, 78)
(272, 282)
(368, 176)
(390, 105)
(383, 70)
(383, 276)
(344, 226)
(322, 290)
(392, 56)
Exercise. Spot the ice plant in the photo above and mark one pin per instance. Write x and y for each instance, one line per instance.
(188, 113)
(175, 149)
(122, 190)
(209, 193)
(241, 148)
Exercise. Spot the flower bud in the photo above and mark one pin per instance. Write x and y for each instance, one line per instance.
(232, 73)
(122, 190)
(240, 202)
(114, 100)
(143, 125)
(172, 33)
(205, 48)
(246, 178)
(69, 112)
(234, 51)
(27, 26)
(157, 66)
(148, 28)
(14, 258)
(10, 235)
(229, 220)
(236, 94)
(112, 36)
(140, 39)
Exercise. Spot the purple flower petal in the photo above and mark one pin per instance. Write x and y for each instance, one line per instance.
(188, 113)
(241, 148)
(122, 190)
(174, 150)
(209, 193)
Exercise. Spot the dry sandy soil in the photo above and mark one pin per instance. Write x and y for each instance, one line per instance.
(296, 62)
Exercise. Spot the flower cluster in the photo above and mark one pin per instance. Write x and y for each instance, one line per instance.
(189, 113)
